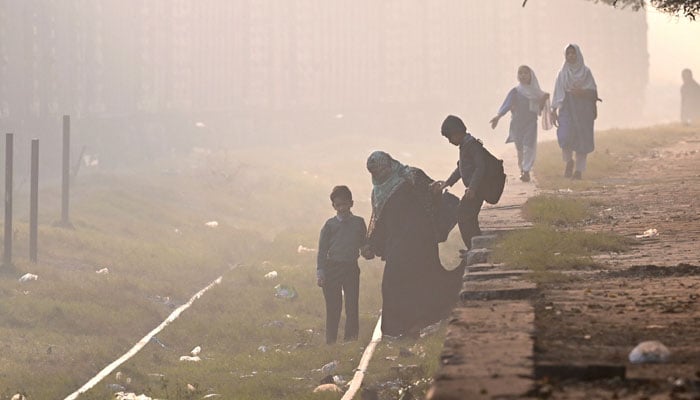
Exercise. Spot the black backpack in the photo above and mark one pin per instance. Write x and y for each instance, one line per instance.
(494, 181)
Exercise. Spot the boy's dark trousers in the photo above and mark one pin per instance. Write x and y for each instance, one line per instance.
(342, 278)
(468, 218)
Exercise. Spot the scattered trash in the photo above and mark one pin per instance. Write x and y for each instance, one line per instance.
(274, 324)
(19, 396)
(200, 124)
(158, 342)
(302, 249)
(271, 275)
(103, 271)
(90, 160)
(328, 387)
(651, 351)
(177, 231)
(649, 233)
(567, 190)
(28, 277)
(587, 337)
(191, 387)
(285, 292)
(339, 380)
(131, 396)
(430, 329)
(329, 368)
(210, 395)
(196, 351)
(189, 358)
(262, 349)
(391, 358)
(115, 387)
(212, 224)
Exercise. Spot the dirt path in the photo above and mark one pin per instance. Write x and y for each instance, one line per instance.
(648, 293)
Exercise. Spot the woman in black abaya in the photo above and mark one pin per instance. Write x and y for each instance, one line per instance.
(403, 231)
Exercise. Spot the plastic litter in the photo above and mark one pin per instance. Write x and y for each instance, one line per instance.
(262, 349)
(103, 271)
(649, 233)
(430, 329)
(271, 275)
(28, 277)
(329, 368)
(190, 358)
(158, 342)
(339, 380)
(651, 351)
(196, 351)
(131, 396)
(19, 396)
(115, 387)
(328, 387)
(301, 249)
(212, 224)
(285, 292)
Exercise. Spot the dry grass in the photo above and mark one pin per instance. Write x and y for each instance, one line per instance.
(149, 229)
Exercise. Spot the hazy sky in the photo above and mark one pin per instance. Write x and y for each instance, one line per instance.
(674, 44)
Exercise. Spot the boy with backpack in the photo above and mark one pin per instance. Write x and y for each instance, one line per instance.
(481, 173)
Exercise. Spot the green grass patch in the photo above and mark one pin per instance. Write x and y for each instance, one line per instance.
(554, 210)
(545, 249)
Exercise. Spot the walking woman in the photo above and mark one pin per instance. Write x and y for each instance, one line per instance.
(525, 103)
(416, 290)
(574, 111)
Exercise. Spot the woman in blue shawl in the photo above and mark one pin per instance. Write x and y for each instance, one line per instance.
(403, 231)
(574, 100)
(525, 103)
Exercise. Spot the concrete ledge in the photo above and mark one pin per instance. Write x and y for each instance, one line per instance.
(523, 293)
(478, 256)
(484, 241)
(494, 274)
(560, 372)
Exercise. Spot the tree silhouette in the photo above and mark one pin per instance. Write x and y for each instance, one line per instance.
(688, 8)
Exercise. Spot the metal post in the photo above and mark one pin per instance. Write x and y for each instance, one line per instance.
(7, 256)
(34, 201)
(65, 188)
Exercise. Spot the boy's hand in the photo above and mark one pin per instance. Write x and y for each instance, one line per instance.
(555, 118)
(366, 252)
(320, 282)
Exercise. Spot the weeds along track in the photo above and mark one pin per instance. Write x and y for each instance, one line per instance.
(141, 343)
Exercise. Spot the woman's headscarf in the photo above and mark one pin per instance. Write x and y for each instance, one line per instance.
(532, 91)
(381, 191)
(576, 75)
(399, 175)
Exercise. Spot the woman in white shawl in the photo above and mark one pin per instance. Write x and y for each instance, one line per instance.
(525, 103)
(574, 111)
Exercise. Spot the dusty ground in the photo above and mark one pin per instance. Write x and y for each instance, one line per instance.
(649, 293)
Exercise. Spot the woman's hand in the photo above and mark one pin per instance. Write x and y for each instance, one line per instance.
(555, 117)
(366, 252)
(437, 187)
(494, 121)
